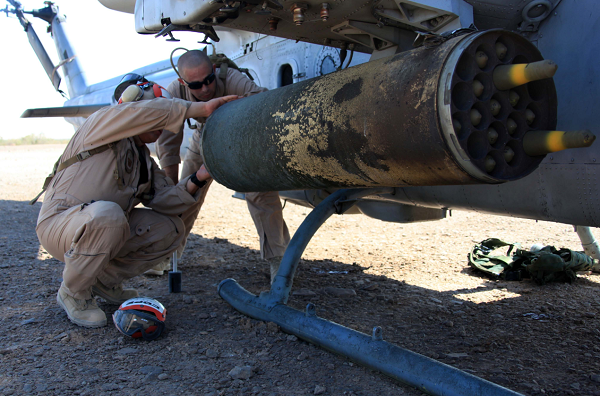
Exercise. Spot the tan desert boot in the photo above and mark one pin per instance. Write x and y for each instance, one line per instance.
(160, 268)
(81, 312)
(113, 295)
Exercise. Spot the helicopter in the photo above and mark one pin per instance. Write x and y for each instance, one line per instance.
(423, 137)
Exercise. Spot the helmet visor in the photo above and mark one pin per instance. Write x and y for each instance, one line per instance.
(138, 324)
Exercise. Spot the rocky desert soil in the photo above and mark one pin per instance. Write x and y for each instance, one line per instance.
(413, 280)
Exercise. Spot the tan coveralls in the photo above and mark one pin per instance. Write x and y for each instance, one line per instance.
(265, 207)
(88, 218)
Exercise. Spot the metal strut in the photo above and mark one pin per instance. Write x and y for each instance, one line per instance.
(421, 372)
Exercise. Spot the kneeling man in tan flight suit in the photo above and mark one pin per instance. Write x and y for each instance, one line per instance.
(89, 217)
(199, 82)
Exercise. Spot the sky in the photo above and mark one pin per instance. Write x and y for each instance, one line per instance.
(105, 42)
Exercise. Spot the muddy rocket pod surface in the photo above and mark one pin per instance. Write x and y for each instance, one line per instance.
(429, 116)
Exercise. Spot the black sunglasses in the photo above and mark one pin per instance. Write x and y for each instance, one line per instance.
(198, 84)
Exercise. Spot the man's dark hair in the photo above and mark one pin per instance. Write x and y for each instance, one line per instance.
(191, 59)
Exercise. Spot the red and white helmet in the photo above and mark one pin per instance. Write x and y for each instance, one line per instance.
(141, 317)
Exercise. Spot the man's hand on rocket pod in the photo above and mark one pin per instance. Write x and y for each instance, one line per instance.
(205, 109)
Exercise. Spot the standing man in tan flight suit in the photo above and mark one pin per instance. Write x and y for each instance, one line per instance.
(199, 82)
(88, 218)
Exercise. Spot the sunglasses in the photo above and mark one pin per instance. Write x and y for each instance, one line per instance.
(198, 84)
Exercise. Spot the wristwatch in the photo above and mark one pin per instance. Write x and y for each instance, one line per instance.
(197, 182)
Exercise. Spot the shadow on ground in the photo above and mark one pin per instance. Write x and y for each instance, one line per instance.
(532, 339)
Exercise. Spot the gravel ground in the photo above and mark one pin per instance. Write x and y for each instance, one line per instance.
(411, 279)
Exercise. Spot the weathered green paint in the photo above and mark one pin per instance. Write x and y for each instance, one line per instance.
(375, 124)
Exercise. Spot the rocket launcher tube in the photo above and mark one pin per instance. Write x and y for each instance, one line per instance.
(544, 142)
(411, 119)
(511, 76)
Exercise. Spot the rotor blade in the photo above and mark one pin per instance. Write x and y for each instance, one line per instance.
(66, 111)
(42, 55)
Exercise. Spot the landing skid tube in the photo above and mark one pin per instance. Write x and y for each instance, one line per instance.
(423, 373)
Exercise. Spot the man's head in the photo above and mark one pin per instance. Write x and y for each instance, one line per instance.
(197, 73)
(144, 91)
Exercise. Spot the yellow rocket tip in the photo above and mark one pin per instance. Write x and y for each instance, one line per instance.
(544, 142)
(511, 76)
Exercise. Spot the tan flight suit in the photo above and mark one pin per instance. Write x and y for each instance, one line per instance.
(89, 219)
(265, 207)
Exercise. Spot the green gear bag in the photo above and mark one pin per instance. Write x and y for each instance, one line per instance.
(222, 63)
(545, 265)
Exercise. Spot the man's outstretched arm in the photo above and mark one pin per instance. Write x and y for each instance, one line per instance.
(205, 109)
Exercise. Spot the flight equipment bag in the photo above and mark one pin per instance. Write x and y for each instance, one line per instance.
(222, 62)
(545, 265)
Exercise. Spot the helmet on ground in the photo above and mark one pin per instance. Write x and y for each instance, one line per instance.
(141, 317)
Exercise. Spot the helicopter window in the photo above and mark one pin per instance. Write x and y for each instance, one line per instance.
(286, 75)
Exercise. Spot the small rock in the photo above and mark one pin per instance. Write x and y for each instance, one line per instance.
(339, 292)
(151, 370)
(292, 337)
(187, 299)
(319, 390)
(241, 372)
(238, 384)
(163, 376)
(211, 353)
(302, 356)
(435, 300)
(110, 387)
(41, 387)
(304, 293)
(575, 385)
(203, 315)
(595, 378)
(6, 351)
(61, 335)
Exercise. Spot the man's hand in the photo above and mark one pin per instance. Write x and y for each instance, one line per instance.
(202, 175)
(204, 109)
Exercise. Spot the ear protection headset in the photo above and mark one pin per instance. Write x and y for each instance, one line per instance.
(134, 93)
